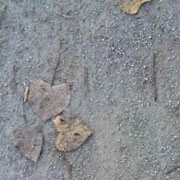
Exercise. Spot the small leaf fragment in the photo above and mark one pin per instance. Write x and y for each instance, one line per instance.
(72, 132)
(29, 141)
(131, 6)
(47, 101)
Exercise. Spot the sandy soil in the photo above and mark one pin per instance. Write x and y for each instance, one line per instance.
(125, 76)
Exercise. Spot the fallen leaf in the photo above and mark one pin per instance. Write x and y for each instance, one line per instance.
(72, 132)
(29, 141)
(131, 6)
(47, 101)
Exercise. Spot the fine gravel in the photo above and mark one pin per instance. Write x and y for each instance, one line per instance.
(124, 71)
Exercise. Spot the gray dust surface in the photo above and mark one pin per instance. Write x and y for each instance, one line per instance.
(125, 77)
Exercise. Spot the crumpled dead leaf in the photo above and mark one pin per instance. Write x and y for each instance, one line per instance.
(131, 6)
(47, 101)
(29, 141)
(72, 132)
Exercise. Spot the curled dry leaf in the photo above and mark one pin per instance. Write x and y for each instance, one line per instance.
(47, 101)
(72, 132)
(131, 6)
(29, 141)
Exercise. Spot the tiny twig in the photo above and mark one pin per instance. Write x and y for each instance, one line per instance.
(23, 111)
(25, 99)
(174, 168)
(57, 65)
(154, 78)
(86, 81)
(67, 16)
(26, 92)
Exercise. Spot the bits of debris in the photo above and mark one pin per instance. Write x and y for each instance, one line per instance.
(29, 141)
(72, 132)
(26, 92)
(131, 6)
(47, 101)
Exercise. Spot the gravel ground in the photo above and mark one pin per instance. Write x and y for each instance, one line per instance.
(125, 76)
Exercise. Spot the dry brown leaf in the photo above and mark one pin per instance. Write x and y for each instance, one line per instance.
(29, 141)
(72, 132)
(131, 6)
(47, 101)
